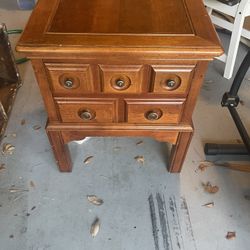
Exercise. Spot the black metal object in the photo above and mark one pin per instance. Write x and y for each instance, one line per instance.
(231, 100)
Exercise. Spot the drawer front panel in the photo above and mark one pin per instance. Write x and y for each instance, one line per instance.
(154, 111)
(68, 79)
(121, 79)
(171, 80)
(86, 111)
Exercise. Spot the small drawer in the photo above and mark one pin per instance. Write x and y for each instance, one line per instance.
(121, 79)
(67, 79)
(154, 111)
(96, 111)
(171, 80)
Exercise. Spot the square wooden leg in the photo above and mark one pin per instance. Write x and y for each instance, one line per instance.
(61, 150)
(179, 151)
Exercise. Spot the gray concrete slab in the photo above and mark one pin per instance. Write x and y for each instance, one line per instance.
(53, 213)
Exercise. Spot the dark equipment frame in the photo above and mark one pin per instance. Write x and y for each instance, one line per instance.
(231, 100)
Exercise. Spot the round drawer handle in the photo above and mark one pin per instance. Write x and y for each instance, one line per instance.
(120, 83)
(68, 83)
(170, 83)
(86, 115)
(153, 115)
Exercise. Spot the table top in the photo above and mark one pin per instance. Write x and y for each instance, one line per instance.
(121, 17)
(79, 25)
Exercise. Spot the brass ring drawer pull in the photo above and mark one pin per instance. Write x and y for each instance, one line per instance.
(68, 83)
(153, 115)
(120, 83)
(86, 115)
(171, 83)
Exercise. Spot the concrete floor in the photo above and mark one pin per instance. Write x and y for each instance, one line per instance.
(52, 211)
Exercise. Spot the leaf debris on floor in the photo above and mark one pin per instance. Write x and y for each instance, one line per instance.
(139, 143)
(209, 188)
(33, 208)
(95, 227)
(8, 149)
(88, 159)
(2, 167)
(139, 159)
(247, 197)
(93, 199)
(242, 102)
(204, 165)
(13, 135)
(17, 190)
(231, 235)
(36, 127)
(209, 205)
(209, 81)
(117, 148)
(32, 184)
(23, 122)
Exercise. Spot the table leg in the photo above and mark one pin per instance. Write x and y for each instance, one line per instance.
(179, 151)
(61, 151)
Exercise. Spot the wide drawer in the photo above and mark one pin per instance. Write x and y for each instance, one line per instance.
(153, 111)
(171, 80)
(86, 111)
(70, 79)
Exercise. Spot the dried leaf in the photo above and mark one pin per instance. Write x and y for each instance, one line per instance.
(8, 149)
(23, 122)
(2, 167)
(242, 102)
(209, 188)
(140, 159)
(209, 205)
(32, 184)
(36, 127)
(88, 159)
(13, 135)
(209, 81)
(33, 208)
(16, 190)
(94, 200)
(231, 235)
(139, 143)
(18, 197)
(95, 227)
(247, 197)
(117, 148)
(204, 165)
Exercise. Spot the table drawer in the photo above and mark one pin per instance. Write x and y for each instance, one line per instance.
(95, 111)
(70, 79)
(171, 80)
(153, 111)
(122, 79)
